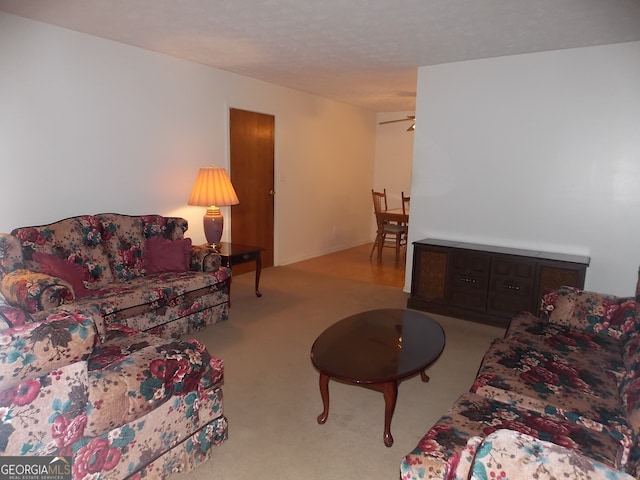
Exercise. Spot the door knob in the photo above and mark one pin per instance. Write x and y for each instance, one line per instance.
(272, 192)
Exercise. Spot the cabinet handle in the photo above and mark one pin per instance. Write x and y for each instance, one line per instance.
(467, 279)
(510, 286)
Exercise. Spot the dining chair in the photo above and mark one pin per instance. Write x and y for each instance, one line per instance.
(385, 228)
(405, 204)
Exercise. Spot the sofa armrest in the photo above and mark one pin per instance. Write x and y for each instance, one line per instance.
(591, 311)
(205, 259)
(510, 454)
(35, 292)
(35, 349)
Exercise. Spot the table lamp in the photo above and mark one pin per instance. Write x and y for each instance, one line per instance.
(213, 189)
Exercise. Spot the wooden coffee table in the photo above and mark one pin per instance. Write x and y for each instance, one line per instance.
(377, 349)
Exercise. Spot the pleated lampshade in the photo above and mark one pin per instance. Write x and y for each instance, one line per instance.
(213, 189)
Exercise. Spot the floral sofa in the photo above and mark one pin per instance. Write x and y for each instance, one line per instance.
(569, 378)
(93, 364)
(137, 271)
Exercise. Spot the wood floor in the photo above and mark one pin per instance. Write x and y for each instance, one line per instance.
(354, 263)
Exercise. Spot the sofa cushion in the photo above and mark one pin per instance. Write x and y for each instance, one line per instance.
(132, 373)
(164, 255)
(548, 384)
(122, 301)
(125, 237)
(601, 351)
(72, 273)
(592, 312)
(77, 239)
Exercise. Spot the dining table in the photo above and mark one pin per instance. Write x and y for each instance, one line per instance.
(396, 215)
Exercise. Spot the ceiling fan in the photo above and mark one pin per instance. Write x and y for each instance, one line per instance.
(410, 118)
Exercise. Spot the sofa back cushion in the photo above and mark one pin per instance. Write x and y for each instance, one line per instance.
(76, 239)
(125, 237)
(591, 311)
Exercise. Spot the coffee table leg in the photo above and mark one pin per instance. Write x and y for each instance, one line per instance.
(424, 376)
(324, 392)
(390, 393)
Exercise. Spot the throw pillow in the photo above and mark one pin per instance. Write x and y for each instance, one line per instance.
(68, 271)
(164, 255)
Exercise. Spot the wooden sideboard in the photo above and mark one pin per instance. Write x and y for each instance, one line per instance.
(486, 283)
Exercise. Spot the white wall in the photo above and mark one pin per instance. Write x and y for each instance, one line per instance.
(536, 151)
(88, 125)
(394, 157)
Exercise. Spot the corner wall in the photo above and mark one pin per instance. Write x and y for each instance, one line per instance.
(538, 151)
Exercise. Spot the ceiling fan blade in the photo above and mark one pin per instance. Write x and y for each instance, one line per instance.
(409, 117)
(394, 121)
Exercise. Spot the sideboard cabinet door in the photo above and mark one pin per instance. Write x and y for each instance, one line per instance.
(512, 285)
(468, 279)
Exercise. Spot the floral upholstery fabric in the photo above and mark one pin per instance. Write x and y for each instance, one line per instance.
(13, 317)
(10, 254)
(144, 371)
(77, 239)
(35, 292)
(111, 249)
(32, 349)
(604, 352)
(124, 239)
(116, 407)
(44, 410)
(546, 383)
(572, 379)
(591, 311)
(155, 302)
(80, 377)
(475, 415)
(508, 454)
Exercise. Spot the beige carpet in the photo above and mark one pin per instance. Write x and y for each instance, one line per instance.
(271, 394)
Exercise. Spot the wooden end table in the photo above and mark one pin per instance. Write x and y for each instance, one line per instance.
(377, 349)
(234, 254)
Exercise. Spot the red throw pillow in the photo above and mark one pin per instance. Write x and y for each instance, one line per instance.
(68, 271)
(164, 255)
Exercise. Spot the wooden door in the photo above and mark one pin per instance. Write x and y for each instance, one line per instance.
(252, 147)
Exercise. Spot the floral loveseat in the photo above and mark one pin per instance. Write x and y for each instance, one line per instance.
(137, 271)
(570, 378)
(90, 366)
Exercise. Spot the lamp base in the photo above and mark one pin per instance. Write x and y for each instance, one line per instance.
(213, 221)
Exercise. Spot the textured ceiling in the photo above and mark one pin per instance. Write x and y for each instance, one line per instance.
(362, 52)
